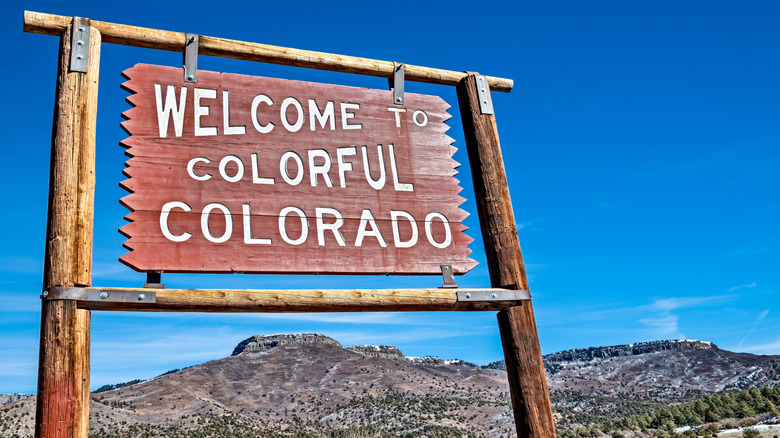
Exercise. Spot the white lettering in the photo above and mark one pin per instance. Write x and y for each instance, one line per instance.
(248, 239)
(166, 209)
(283, 226)
(422, 122)
(203, 110)
(223, 168)
(322, 226)
(283, 168)
(366, 219)
(346, 115)
(191, 168)
(394, 216)
(261, 98)
(204, 223)
(298, 108)
(256, 178)
(379, 183)
(319, 169)
(344, 166)
(322, 118)
(397, 112)
(226, 128)
(171, 109)
(429, 233)
(399, 186)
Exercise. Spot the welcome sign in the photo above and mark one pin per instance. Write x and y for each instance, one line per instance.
(262, 175)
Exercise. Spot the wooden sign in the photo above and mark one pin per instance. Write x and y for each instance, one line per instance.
(260, 175)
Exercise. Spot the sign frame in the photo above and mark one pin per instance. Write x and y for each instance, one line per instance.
(62, 408)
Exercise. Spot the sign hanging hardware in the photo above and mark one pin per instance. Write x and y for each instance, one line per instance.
(79, 45)
(191, 58)
(494, 295)
(483, 92)
(397, 83)
(154, 280)
(99, 295)
(449, 279)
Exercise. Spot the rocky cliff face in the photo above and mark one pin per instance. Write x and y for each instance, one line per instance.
(586, 354)
(263, 343)
(383, 351)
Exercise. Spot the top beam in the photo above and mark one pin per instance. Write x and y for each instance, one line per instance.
(49, 24)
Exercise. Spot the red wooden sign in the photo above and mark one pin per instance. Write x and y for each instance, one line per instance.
(260, 175)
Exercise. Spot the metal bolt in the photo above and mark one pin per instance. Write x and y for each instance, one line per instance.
(190, 77)
(494, 296)
(468, 296)
(45, 293)
(104, 295)
(79, 56)
(398, 99)
(141, 297)
(81, 29)
(81, 43)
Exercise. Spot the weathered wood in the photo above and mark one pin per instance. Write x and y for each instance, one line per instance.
(63, 378)
(291, 300)
(62, 409)
(49, 24)
(239, 166)
(525, 370)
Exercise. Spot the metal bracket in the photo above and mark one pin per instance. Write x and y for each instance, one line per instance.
(191, 58)
(494, 295)
(397, 83)
(154, 280)
(483, 92)
(99, 295)
(79, 45)
(449, 279)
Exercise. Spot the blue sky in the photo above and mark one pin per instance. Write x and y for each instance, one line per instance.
(640, 140)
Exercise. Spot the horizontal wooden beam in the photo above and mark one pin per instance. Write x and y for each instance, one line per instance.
(49, 24)
(288, 300)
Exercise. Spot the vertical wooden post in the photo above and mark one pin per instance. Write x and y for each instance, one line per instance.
(63, 370)
(523, 355)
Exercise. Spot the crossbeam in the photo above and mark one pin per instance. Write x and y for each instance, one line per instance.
(48, 24)
(288, 300)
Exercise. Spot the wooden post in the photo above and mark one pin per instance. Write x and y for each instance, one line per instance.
(63, 375)
(525, 370)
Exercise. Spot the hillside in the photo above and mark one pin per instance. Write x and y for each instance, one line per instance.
(280, 384)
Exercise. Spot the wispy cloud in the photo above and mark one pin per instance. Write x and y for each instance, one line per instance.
(760, 318)
(744, 286)
(666, 327)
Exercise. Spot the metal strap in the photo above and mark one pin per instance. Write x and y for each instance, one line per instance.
(191, 58)
(494, 295)
(449, 279)
(397, 83)
(79, 45)
(99, 295)
(483, 91)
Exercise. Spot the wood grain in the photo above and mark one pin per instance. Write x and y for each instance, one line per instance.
(158, 174)
(113, 33)
(296, 301)
(62, 408)
(525, 370)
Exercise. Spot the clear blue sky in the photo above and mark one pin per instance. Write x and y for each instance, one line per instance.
(641, 144)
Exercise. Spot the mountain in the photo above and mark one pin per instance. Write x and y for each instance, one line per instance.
(280, 385)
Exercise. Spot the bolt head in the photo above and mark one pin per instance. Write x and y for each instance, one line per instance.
(81, 43)
(45, 293)
(494, 296)
(141, 297)
(190, 77)
(468, 295)
(104, 295)
(81, 29)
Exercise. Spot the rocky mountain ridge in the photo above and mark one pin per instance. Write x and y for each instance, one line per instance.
(277, 385)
